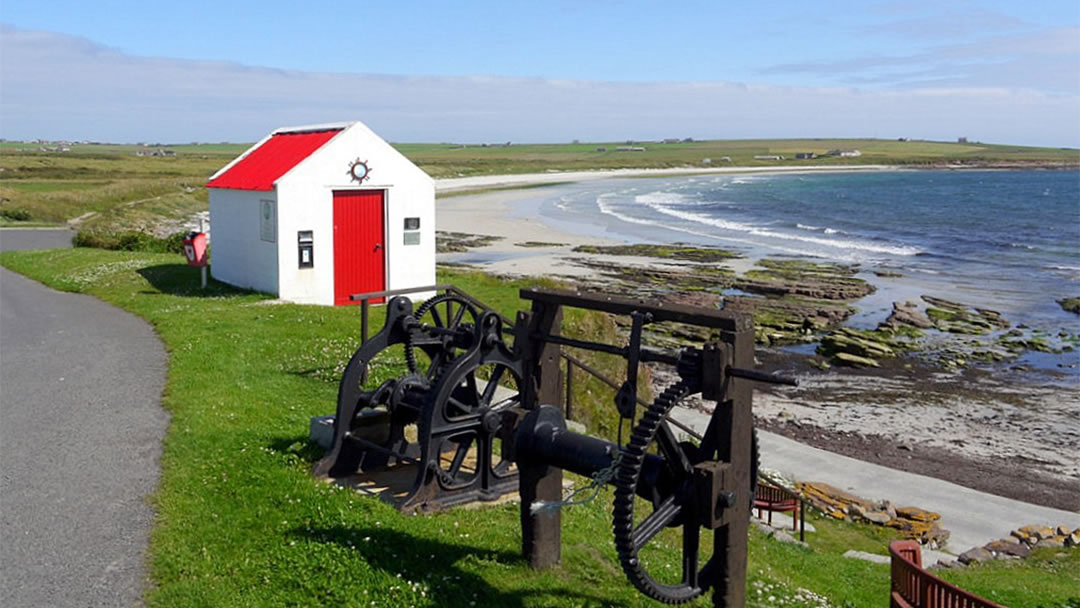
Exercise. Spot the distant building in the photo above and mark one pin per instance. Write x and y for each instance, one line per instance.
(630, 149)
(846, 153)
(805, 155)
(961, 140)
(768, 157)
(316, 214)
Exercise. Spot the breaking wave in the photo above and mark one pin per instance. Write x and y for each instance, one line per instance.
(664, 202)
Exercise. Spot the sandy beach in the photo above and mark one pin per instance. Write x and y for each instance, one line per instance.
(1001, 434)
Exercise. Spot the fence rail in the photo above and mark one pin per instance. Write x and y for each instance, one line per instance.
(913, 587)
(366, 298)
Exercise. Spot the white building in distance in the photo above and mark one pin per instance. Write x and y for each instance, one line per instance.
(316, 214)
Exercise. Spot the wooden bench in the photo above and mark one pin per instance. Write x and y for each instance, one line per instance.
(773, 498)
(913, 587)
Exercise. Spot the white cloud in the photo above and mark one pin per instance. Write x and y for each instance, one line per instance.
(57, 86)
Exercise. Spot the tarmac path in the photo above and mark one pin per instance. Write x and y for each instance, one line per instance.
(81, 426)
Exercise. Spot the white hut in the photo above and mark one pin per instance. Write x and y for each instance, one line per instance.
(315, 214)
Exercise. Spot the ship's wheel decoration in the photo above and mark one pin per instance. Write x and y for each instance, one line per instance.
(359, 170)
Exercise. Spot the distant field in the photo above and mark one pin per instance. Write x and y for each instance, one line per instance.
(449, 160)
(124, 190)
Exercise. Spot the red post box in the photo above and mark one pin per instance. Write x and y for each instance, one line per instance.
(195, 249)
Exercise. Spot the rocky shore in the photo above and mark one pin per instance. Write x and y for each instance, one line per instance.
(938, 387)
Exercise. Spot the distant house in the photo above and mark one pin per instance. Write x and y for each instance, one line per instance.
(961, 140)
(630, 149)
(805, 155)
(318, 213)
(768, 157)
(845, 153)
(671, 140)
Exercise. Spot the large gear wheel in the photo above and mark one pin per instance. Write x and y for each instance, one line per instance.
(670, 504)
(457, 311)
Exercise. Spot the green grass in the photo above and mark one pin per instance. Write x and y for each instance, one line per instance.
(240, 521)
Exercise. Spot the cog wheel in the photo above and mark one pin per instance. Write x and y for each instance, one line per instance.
(457, 312)
(669, 510)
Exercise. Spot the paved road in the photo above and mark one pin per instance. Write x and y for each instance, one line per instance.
(973, 518)
(80, 437)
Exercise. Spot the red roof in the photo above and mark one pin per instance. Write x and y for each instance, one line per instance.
(265, 164)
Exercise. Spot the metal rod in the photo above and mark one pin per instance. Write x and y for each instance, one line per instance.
(686, 429)
(574, 361)
(363, 321)
(599, 376)
(596, 346)
(802, 520)
(374, 295)
(381, 449)
(750, 374)
(569, 388)
(646, 354)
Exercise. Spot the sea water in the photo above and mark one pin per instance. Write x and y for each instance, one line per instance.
(1005, 240)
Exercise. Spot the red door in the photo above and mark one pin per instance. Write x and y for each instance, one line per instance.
(359, 246)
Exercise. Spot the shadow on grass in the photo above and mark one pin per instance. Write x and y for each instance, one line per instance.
(301, 446)
(185, 281)
(439, 565)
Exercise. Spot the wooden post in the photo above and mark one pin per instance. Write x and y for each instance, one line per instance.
(541, 533)
(734, 446)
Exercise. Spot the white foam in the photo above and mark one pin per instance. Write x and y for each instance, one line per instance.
(606, 207)
(738, 227)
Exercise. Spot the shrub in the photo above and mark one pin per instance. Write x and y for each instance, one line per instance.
(15, 214)
(129, 241)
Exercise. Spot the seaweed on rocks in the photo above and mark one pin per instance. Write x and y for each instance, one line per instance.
(676, 252)
(460, 242)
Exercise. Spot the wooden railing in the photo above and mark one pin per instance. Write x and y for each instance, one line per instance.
(366, 298)
(913, 587)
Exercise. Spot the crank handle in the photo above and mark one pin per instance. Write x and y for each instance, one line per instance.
(757, 376)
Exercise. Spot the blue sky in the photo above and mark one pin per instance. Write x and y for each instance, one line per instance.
(494, 71)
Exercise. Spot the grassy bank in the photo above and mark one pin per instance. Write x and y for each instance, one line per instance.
(240, 522)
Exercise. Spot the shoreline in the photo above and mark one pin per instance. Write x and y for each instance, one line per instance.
(525, 180)
(960, 425)
(482, 183)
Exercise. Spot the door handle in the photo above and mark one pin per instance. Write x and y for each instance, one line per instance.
(378, 246)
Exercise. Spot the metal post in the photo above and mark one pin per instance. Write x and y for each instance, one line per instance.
(363, 321)
(569, 388)
(802, 520)
(204, 277)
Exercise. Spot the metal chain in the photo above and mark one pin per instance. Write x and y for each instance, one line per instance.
(598, 481)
